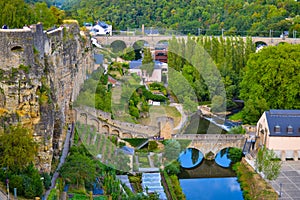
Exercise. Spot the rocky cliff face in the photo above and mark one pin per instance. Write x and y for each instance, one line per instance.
(40, 77)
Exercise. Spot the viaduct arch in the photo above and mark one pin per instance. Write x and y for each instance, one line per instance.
(153, 40)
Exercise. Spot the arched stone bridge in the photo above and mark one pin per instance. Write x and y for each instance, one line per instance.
(103, 124)
(211, 144)
(154, 40)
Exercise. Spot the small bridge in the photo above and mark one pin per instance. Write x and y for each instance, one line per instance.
(211, 144)
(103, 124)
(152, 41)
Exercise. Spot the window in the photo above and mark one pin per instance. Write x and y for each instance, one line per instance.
(277, 129)
(289, 129)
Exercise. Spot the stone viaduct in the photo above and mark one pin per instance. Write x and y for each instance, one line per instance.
(211, 144)
(103, 124)
(152, 41)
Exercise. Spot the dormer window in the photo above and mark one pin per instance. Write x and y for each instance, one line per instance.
(289, 129)
(277, 129)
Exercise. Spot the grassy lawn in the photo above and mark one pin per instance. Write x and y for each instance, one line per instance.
(143, 160)
(160, 111)
(236, 116)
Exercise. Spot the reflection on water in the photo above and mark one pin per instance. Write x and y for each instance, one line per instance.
(211, 188)
(190, 158)
(222, 158)
(209, 179)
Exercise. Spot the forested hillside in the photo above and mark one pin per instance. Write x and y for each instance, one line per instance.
(238, 17)
(17, 13)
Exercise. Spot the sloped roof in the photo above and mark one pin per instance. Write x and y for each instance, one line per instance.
(128, 150)
(136, 64)
(280, 120)
(98, 58)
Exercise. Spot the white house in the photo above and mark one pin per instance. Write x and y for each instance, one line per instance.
(101, 28)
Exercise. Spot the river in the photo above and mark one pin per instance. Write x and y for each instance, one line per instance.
(211, 180)
(203, 179)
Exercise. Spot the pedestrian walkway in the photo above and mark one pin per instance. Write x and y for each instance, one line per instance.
(288, 182)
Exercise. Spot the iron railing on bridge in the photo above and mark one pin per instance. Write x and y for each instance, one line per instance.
(208, 32)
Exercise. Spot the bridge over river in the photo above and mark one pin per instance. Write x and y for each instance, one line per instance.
(210, 144)
(153, 40)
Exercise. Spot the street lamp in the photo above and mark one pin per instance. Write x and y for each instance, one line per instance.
(280, 190)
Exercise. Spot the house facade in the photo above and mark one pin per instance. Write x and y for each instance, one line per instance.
(159, 73)
(279, 130)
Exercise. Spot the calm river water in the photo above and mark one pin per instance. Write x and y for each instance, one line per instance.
(208, 180)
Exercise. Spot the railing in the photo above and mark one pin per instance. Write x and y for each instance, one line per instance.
(209, 136)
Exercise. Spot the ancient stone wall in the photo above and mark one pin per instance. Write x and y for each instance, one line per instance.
(40, 76)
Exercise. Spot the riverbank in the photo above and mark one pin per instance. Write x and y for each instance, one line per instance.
(252, 184)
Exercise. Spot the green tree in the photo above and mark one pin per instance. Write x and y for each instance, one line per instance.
(128, 53)
(271, 81)
(44, 15)
(79, 169)
(17, 148)
(268, 163)
(147, 62)
(235, 154)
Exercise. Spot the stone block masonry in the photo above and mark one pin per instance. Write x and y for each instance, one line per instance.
(40, 76)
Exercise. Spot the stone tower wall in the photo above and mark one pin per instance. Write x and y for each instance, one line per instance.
(40, 76)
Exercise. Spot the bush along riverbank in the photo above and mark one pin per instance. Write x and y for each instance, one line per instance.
(252, 184)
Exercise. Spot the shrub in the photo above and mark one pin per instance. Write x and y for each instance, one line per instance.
(152, 145)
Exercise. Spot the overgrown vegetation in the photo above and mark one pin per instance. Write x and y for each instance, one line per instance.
(17, 14)
(239, 17)
(253, 186)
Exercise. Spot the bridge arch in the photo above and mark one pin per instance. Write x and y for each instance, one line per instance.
(83, 118)
(115, 132)
(118, 46)
(140, 44)
(105, 129)
(162, 43)
(281, 43)
(260, 43)
(126, 135)
(96, 123)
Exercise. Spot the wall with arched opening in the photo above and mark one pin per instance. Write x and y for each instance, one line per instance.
(105, 129)
(118, 46)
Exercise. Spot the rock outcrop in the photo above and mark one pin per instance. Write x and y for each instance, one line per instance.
(40, 76)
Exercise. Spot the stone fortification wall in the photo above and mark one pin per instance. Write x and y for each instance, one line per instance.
(16, 48)
(40, 76)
